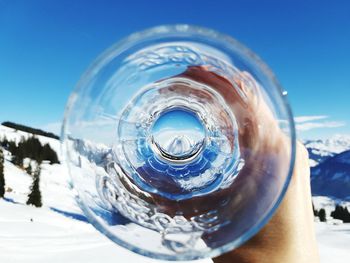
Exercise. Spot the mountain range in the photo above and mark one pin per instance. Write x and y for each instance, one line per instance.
(330, 166)
(332, 177)
(329, 159)
(320, 150)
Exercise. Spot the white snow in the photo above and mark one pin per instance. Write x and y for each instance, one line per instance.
(312, 163)
(336, 144)
(40, 235)
(328, 147)
(333, 242)
(333, 236)
(29, 234)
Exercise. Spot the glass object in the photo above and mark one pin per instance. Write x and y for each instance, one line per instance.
(179, 142)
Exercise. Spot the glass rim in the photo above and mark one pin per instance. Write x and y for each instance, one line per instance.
(178, 30)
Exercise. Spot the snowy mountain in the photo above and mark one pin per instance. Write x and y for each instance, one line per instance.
(332, 176)
(320, 150)
(59, 232)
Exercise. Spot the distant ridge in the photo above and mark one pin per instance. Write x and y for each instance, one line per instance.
(332, 177)
(30, 129)
(322, 149)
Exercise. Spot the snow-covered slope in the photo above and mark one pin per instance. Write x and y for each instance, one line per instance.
(333, 236)
(16, 135)
(320, 150)
(332, 177)
(333, 242)
(58, 232)
(40, 235)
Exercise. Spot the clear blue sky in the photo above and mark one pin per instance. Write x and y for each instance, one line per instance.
(46, 45)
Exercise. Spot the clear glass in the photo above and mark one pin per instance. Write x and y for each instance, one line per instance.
(180, 143)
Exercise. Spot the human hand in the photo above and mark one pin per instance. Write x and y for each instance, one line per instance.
(289, 236)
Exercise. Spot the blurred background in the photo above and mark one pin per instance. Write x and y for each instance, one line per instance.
(45, 46)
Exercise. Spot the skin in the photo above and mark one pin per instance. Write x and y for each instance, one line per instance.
(289, 237)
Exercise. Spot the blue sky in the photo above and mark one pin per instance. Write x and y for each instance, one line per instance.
(46, 45)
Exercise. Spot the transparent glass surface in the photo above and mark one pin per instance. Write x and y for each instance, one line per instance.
(179, 142)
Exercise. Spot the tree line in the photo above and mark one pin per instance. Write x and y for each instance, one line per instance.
(340, 212)
(27, 148)
(31, 130)
(34, 196)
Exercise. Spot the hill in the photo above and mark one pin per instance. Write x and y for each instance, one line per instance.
(31, 130)
(58, 231)
(332, 177)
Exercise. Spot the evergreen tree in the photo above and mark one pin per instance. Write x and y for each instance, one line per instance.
(17, 156)
(346, 215)
(315, 210)
(31, 148)
(48, 154)
(341, 213)
(11, 146)
(34, 198)
(2, 176)
(337, 213)
(4, 142)
(322, 215)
